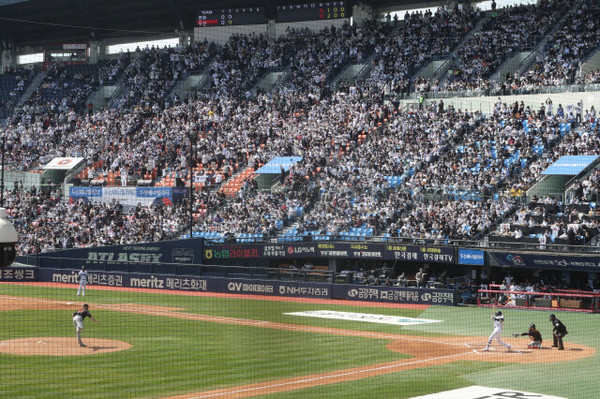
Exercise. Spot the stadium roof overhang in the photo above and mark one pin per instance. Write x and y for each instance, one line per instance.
(35, 22)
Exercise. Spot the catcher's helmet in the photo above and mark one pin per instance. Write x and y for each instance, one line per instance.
(532, 325)
(499, 313)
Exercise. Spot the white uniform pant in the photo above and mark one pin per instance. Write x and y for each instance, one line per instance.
(535, 344)
(496, 335)
(81, 289)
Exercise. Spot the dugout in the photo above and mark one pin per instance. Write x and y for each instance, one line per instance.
(541, 299)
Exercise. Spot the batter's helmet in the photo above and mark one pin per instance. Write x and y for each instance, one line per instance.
(499, 313)
(532, 325)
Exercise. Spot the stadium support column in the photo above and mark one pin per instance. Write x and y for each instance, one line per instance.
(97, 52)
(332, 263)
(191, 192)
(272, 29)
(2, 177)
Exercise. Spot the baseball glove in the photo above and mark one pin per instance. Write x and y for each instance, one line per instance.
(515, 334)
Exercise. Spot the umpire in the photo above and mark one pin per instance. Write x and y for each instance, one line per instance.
(558, 332)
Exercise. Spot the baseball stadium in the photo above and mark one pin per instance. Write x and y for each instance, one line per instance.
(291, 199)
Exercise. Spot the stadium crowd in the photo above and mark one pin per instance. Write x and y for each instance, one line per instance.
(420, 38)
(460, 183)
(566, 48)
(516, 28)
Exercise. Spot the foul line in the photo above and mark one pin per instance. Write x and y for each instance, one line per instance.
(327, 377)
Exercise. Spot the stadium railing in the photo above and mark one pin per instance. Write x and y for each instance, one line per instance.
(571, 300)
(485, 243)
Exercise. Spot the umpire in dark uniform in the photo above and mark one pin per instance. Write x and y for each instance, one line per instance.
(558, 332)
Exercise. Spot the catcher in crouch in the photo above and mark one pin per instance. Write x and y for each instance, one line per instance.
(534, 335)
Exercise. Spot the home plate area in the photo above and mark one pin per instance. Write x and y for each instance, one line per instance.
(520, 353)
(478, 348)
(471, 348)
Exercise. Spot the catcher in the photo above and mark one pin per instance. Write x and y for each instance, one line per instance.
(534, 335)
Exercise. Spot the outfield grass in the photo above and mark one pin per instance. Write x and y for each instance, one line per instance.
(171, 356)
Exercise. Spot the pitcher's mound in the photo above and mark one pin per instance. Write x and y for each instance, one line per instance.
(60, 346)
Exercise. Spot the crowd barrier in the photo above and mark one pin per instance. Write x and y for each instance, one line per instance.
(576, 301)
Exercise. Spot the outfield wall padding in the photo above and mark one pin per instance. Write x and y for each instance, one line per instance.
(245, 286)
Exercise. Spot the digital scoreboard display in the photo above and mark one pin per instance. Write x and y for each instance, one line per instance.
(231, 16)
(66, 53)
(312, 11)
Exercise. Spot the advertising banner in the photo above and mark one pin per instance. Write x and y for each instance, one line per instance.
(271, 287)
(287, 250)
(87, 193)
(192, 283)
(164, 252)
(232, 251)
(353, 250)
(558, 261)
(294, 289)
(331, 250)
(419, 253)
(15, 273)
(395, 295)
(63, 163)
(128, 196)
(129, 280)
(471, 257)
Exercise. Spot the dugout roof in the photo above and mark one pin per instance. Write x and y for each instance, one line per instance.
(275, 165)
(570, 165)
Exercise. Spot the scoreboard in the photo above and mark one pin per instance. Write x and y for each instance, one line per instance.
(231, 16)
(312, 11)
(66, 53)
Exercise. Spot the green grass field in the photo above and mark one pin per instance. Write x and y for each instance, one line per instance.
(171, 356)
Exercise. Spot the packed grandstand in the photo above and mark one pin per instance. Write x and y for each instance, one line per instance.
(379, 156)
